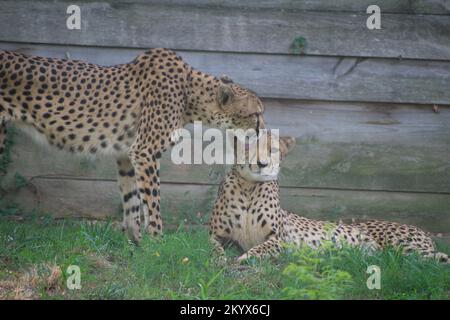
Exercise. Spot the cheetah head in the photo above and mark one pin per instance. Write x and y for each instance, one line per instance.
(230, 106)
(265, 166)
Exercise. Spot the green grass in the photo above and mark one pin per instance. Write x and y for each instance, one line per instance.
(181, 265)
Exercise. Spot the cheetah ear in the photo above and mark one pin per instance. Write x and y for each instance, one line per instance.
(226, 79)
(225, 96)
(289, 142)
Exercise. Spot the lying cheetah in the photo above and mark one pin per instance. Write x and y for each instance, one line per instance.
(247, 212)
(127, 111)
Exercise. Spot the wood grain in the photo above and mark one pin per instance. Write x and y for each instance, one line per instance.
(212, 28)
(99, 199)
(296, 77)
(339, 145)
(388, 6)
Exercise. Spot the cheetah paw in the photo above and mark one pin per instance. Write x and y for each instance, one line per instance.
(242, 258)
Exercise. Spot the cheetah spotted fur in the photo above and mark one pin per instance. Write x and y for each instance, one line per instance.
(247, 212)
(127, 111)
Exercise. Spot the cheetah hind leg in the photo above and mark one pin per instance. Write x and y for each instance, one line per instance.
(3, 137)
(428, 252)
(441, 257)
(130, 199)
(438, 256)
(3, 134)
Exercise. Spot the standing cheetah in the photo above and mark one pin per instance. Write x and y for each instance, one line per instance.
(127, 111)
(247, 211)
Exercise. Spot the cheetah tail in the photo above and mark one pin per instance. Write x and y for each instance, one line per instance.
(442, 257)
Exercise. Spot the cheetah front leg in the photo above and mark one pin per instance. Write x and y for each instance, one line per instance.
(146, 168)
(217, 244)
(217, 234)
(130, 198)
(219, 250)
(271, 247)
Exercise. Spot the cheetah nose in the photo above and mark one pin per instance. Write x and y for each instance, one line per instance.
(262, 164)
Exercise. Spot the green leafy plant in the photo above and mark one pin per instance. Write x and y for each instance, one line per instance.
(298, 45)
(20, 181)
(312, 276)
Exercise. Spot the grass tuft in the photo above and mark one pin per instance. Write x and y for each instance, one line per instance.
(181, 265)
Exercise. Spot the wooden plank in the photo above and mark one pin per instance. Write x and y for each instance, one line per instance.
(139, 24)
(339, 146)
(99, 199)
(364, 146)
(387, 6)
(367, 166)
(296, 77)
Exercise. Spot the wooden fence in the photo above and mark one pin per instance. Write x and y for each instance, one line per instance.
(360, 102)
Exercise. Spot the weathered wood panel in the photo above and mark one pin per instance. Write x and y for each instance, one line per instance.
(143, 24)
(99, 199)
(387, 6)
(340, 146)
(353, 160)
(296, 77)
